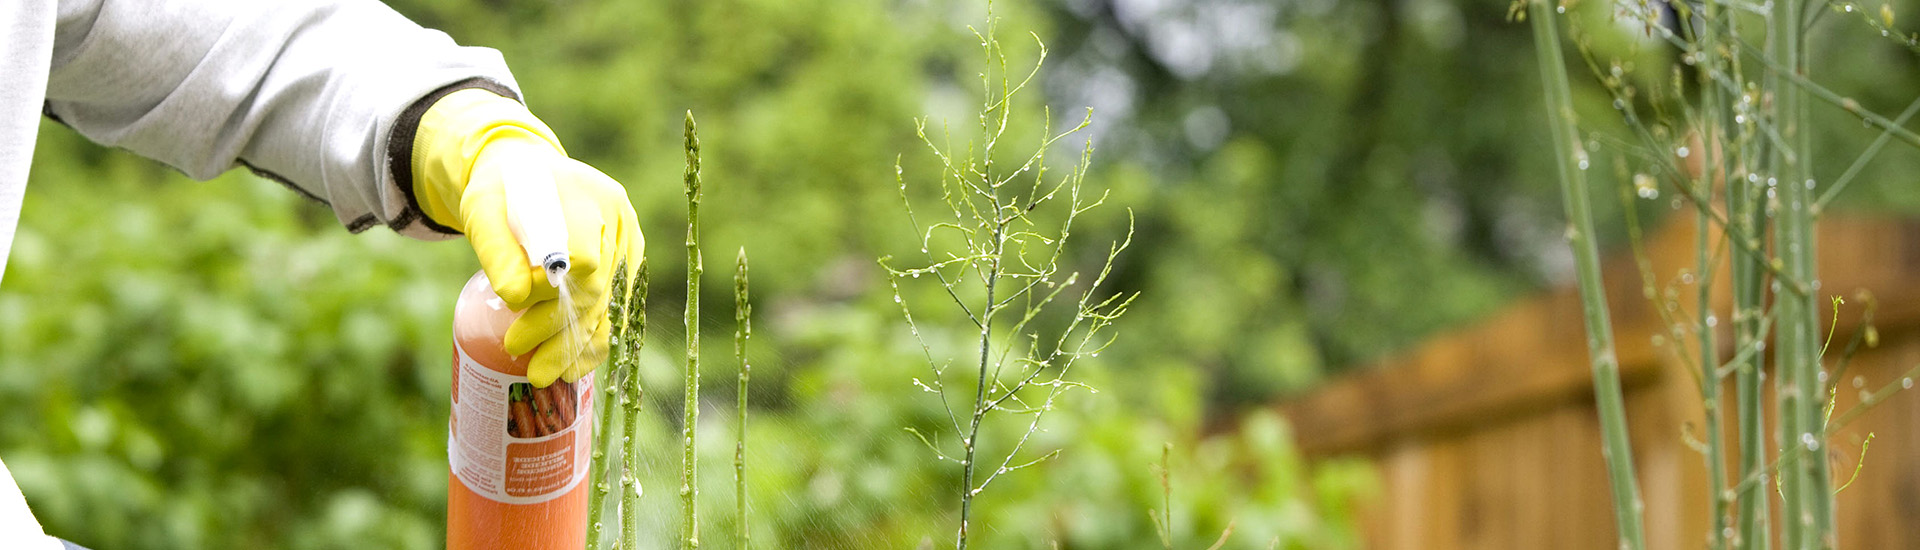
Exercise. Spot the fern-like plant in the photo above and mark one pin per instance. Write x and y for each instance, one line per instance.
(999, 252)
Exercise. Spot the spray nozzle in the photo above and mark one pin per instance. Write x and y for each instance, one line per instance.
(556, 266)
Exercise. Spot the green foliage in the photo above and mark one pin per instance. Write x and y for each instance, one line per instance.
(1321, 197)
(218, 365)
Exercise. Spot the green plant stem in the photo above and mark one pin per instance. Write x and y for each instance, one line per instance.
(1791, 455)
(1782, 72)
(1782, 26)
(1666, 165)
(690, 470)
(606, 378)
(1807, 499)
(1749, 267)
(1871, 400)
(1710, 380)
(1713, 162)
(596, 506)
(630, 390)
(989, 187)
(1568, 155)
(1812, 388)
(980, 408)
(1860, 162)
(742, 331)
(1749, 314)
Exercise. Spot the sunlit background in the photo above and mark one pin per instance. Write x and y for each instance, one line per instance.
(1315, 185)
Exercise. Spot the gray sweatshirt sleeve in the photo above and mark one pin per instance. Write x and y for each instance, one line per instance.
(320, 95)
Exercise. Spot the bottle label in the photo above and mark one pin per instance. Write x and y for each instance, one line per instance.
(515, 444)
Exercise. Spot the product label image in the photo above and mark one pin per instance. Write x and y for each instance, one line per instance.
(514, 443)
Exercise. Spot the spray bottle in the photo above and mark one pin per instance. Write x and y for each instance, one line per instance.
(517, 456)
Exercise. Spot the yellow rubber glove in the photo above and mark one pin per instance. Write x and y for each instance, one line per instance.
(466, 145)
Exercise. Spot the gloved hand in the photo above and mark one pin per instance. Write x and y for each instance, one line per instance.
(466, 145)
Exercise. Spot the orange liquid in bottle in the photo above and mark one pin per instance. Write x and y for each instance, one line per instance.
(517, 456)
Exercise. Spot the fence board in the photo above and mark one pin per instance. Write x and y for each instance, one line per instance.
(1487, 437)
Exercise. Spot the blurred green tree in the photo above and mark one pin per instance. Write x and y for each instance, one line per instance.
(1317, 184)
(1325, 183)
(217, 364)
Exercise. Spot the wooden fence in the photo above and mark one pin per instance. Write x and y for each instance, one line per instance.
(1487, 437)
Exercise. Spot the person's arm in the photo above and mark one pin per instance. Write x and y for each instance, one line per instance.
(321, 95)
(353, 105)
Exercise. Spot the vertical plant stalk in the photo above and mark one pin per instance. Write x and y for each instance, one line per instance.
(1748, 277)
(1807, 496)
(1571, 159)
(971, 442)
(1813, 387)
(1748, 264)
(1783, 30)
(630, 389)
(1716, 450)
(1748, 310)
(742, 330)
(690, 469)
(606, 403)
(1713, 163)
(988, 266)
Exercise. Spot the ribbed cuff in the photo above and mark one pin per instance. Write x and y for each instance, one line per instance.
(400, 149)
